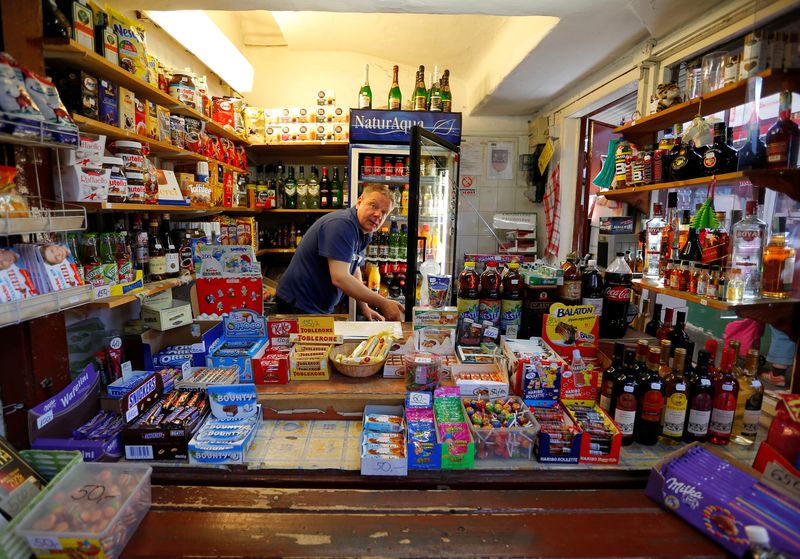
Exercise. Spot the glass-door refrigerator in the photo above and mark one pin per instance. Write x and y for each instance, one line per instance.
(420, 168)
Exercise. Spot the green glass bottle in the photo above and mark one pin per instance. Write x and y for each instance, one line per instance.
(420, 93)
(395, 102)
(447, 99)
(290, 191)
(337, 197)
(435, 103)
(365, 93)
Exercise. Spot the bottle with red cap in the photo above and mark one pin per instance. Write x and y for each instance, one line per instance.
(726, 391)
(616, 298)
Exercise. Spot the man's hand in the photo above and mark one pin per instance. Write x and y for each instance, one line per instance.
(370, 314)
(392, 310)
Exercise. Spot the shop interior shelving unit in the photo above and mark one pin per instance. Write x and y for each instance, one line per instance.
(780, 313)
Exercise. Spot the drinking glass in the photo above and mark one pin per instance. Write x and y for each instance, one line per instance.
(713, 70)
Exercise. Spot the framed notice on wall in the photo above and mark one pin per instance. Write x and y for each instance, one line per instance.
(500, 162)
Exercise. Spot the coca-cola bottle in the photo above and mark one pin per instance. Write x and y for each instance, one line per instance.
(616, 298)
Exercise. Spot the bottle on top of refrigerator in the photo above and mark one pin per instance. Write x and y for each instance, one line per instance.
(511, 304)
(489, 305)
(468, 292)
(592, 288)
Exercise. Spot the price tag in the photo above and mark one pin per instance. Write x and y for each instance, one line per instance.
(43, 420)
(727, 387)
(101, 292)
(655, 385)
(705, 382)
(756, 384)
(627, 388)
(680, 387)
(127, 371)
(703, 301)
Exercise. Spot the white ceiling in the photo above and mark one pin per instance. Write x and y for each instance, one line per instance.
(516, 63)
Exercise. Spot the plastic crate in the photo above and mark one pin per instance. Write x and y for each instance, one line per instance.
(52, 465)
(93, 510)
(504, 442)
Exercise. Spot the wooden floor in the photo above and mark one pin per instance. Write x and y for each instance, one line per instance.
(229, 522)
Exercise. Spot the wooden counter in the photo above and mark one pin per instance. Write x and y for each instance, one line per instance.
(206, 522)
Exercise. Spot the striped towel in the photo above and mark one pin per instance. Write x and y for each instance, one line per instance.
(552, 212)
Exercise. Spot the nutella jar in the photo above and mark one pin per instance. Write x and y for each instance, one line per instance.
(131, 154)
(136, 186)
(182, 87)
(117, 182)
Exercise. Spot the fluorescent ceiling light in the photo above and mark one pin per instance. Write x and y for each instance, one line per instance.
(201, 36)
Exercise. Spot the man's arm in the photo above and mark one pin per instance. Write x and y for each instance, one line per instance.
(366, 311)
(353, 287)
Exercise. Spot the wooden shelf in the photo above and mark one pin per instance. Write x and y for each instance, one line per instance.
(157, 148)
(286, 210)
(780, 313)
(95, 207)
(781, 180)
(275, 251)
(645, 129)
(149, 289)
(302, 149)
(71, 53)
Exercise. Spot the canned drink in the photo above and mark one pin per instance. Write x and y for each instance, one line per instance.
(377, 165)
(399, 166)
(388, 167)
(408, 165)
(366, 165)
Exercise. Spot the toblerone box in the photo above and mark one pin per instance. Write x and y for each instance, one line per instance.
(314, 340)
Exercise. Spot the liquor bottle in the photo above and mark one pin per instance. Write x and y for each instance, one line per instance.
(666, 327)
(420, 93)
(609, 376)
(185, 253)
(749, 236)
(655, 231)
(325, 198)
(336, 190)
(592, 288)
(685, 162)
(655, 323)
(676, 399)
(106, 253)
(726, 391)
(313, 199)
(748, 402)
(302, 190)
(569, 292)
(666, 351)
(623, 399)
(157, 266)
(652, 392)
(345, 190)
(290, 190)
(688, 366)
(674, 227)
(753, 154)
(395, 100)
(701, 399)
(55, 23)
(365, 93)
(735, 287)
(719, 158)
(692, 250)
(280, 188)
(171, 258)
(139, 244)
(778, 267)
(683, 230)
(447, 98)
(435, 104)
(783, 138)
(642, 347)
(678, 335)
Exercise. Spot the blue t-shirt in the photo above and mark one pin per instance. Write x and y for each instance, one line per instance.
(307, 282)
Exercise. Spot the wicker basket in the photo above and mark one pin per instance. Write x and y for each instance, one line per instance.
(355, 371)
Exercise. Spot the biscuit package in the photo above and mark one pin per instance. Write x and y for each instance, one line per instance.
(15, 282)
(50, 265)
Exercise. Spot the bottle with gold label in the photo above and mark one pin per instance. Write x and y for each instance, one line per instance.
(395, 101)
(570, 291)
(748, 403)
(676, 400)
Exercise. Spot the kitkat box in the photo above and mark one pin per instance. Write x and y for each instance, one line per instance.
(273, 366)
(279, 330)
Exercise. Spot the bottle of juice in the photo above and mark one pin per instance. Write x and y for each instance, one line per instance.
(489, 305)
(511, 304)
(468, 292)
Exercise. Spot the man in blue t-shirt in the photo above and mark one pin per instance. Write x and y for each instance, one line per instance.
(327, 262)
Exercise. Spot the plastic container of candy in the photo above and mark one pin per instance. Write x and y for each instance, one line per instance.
(422, 371)
(92, 511)
(503, 428)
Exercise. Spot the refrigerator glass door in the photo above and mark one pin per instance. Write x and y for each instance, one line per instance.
(432, 227)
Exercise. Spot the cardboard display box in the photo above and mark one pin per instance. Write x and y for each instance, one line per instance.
(229, 432)
(487, 381)
(241, 327)
(374, 465)
(200, 335)
(179, 313)
(534, 369)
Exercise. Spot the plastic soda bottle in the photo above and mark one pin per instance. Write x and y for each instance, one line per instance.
(468, 292)
(489, 305)
(511, 304)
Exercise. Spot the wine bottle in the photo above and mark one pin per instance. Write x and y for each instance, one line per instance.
(395, 102)
(365, 93)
